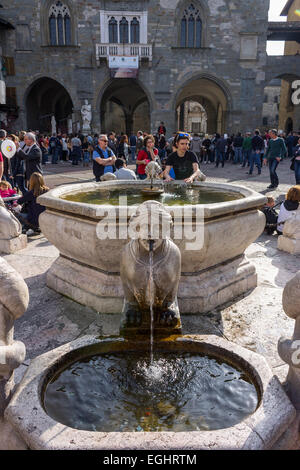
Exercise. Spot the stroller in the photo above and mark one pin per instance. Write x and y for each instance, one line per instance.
(271, 218)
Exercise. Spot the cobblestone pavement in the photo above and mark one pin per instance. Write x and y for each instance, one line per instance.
(255, 321)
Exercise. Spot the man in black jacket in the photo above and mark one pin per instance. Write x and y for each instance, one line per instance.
(258, 146)
(238, 145)
(32, 155)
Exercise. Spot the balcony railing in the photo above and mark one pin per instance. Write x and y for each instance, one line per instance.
(143, 51)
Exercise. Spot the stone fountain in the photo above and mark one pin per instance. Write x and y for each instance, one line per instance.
(150, 271)
(88, 268)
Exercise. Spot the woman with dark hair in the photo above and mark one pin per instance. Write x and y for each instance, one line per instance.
(147, 154)
(162, 146)
(123, 148)
(30, 219)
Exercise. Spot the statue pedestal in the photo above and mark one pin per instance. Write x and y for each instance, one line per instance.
(198, 293)
(291, 245)
(290, 239)
(86, 130)
(13, 245)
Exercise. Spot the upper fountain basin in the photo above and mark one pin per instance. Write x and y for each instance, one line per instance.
(227, 228)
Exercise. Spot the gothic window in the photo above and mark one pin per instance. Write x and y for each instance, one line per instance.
(113, 30)
(135, 31)
(59, 25)
(124, 33)
(191, 28)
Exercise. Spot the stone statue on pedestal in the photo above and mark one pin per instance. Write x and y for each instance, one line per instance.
(86, 113)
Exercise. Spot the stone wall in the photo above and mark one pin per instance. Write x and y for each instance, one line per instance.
(232, 60)
(287, 109)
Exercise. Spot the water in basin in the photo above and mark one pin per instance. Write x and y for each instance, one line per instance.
(126, 392)
(173, 195)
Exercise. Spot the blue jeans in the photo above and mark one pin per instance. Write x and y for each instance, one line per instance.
(238, 155)
(247, 154)
(44, 158)
(55, 155)
(273, 164)
(220, 157)
(297, 171)
(255, 160)
(132, 151)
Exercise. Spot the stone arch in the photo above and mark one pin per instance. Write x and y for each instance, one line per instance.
(44, 98)
(203, 8)
(130, 93)
(286, 68)
(45, 33)
(211, 93)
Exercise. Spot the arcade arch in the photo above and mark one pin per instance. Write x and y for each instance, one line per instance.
(130, 110)
(211, 97)
(46, 98)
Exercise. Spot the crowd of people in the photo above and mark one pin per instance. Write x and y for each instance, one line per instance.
(179, 157)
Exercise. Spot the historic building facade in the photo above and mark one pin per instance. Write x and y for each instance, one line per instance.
(289, 112)
(130, 64)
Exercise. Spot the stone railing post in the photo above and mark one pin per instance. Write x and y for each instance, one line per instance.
(14, 299)
(289, 349)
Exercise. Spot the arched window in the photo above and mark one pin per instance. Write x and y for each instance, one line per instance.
(124, 33)
(191, 28)
(113, 30)
(59, 25)
(135, 31)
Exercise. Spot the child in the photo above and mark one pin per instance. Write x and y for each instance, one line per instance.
(30, 220)
(288, 208)
(271, 216)
(6, 189)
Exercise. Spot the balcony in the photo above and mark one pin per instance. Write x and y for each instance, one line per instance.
(284, 31)
(143, 51)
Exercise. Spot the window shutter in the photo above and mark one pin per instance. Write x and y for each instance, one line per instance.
(11, 96)
(9, 65)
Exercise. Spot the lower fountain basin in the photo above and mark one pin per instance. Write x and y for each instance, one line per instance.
(175, 392)
(273, 412)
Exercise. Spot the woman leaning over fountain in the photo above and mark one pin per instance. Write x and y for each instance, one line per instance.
(147, 154)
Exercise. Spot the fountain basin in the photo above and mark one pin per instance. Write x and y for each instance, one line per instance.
(88, 268)
(260, 430)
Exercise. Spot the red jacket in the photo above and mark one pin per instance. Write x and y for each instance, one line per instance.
(142, 155)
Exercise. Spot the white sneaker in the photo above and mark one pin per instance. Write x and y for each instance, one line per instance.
(30, 232)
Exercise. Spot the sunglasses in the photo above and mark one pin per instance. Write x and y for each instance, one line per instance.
(183, 134)
(106, 141)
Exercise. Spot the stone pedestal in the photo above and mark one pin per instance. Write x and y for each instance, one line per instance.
(13, 245)
(198, 292)
(290, 240)
(289, 349)
(290, 245)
